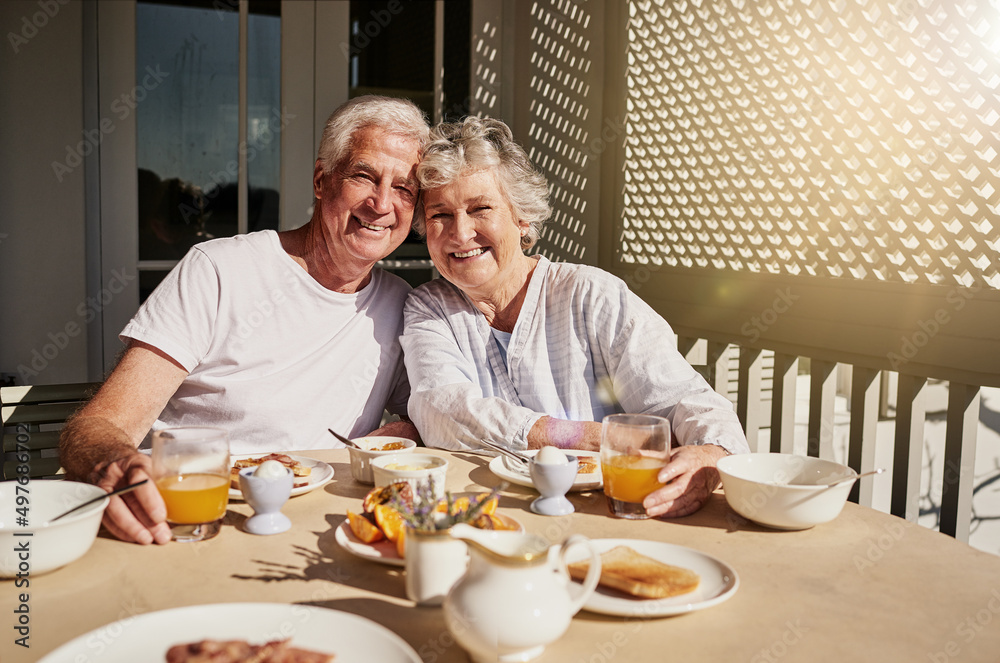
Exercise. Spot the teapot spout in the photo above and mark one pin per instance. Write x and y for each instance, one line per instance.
(467, 533)
(503, 546)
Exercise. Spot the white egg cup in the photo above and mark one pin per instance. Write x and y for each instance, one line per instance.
(553, 481)
(266, 497)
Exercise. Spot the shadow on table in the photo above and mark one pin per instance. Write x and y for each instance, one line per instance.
(717, 514)
(343, 484)
(422, 627)
(334, 564)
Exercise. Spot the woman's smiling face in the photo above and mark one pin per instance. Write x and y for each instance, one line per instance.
(473, 235)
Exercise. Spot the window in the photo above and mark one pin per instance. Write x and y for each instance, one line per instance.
(190, 146)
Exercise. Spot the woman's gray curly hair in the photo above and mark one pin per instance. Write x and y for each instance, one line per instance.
(396, 116)
(477, 143)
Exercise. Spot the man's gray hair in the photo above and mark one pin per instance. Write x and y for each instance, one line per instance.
(478, 143)
(395, 116)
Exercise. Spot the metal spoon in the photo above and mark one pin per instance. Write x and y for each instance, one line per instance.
(509, 453)
(120, 491)
(857, 476)
(521, 461)
(345, 440)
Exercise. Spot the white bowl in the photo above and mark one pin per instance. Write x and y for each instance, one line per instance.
(50, 545)
(361, 468)
(781, 490)
(393, 468)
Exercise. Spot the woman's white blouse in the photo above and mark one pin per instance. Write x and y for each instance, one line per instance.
(584, 346)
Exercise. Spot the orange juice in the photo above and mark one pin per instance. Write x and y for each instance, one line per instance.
(630, 478)
(194, 498)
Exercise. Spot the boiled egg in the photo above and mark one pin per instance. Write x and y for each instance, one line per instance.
(550, 456)
(270, 469)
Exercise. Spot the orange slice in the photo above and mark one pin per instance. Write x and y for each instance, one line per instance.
(363, 528)
(401, 544)
(464, 503)
(460, 505)
(389, 521)
(490, 507)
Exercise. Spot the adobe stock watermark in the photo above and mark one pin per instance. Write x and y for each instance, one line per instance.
(791, 636)
(99, 641)
(265, 307)
(610, 131)
(440, 644)
(880, 545)
(122, 107)
(639, 276)
(928, 328)
(758, 325)
(59, 340)
(281, 118)
(968, 629)
(37, 21)
(362, 38)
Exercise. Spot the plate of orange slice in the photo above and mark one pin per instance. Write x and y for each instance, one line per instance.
(378, 533)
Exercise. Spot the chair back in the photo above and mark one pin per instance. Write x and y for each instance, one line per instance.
(32, 416)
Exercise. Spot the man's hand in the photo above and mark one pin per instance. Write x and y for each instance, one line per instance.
(402, 428)
(98, 444)
(139, 516)
(689, 478)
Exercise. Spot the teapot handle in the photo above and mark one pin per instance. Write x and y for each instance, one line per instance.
(579, 596)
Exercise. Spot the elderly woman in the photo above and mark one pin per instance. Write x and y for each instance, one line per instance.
(525, 352)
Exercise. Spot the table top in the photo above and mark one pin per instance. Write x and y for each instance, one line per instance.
(865, 587)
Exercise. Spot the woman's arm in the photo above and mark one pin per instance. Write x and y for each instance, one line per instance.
(452, 399)
(549, 431)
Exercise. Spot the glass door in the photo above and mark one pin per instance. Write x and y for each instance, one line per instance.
(211, 112)
(209, 121)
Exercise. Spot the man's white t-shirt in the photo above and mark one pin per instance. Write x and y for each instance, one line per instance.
(273, 357)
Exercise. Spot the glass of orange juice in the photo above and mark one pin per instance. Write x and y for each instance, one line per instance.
(634, 448)
(191, 470)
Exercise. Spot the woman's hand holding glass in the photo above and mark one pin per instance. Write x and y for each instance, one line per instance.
(689, 479)
(634, 449)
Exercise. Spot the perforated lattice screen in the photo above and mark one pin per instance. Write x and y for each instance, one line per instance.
(837, 138)
(561, 124)
(486, 44)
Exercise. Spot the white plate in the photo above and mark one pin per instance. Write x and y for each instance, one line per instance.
(718, 581)
(321, 474)
(590, 481)
(148, 637)
(384, 551)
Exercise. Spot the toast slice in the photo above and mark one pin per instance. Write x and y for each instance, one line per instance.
(628, 571)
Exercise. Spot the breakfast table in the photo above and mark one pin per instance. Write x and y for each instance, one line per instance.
(865, 587)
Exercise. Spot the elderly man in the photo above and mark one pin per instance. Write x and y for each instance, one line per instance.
(274, 337)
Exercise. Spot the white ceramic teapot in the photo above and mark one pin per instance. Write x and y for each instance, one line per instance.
(517, 596)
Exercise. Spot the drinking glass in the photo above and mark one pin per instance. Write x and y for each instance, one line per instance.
(191, 470)
(634, 448)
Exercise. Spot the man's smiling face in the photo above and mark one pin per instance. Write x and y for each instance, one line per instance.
(366, 202)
